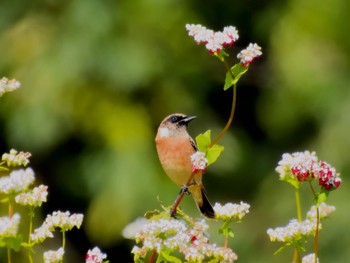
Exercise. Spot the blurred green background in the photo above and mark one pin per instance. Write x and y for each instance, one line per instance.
(99, 76)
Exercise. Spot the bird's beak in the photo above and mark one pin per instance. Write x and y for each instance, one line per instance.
(187, 119)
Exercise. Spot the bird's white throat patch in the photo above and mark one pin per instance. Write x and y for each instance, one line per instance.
(164, 132)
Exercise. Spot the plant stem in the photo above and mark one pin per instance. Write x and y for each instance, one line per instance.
(316, 233)
(152, 257)
(63, 242)
(297, 201)
(8, 254)
(233, 107)
(226, 241)
(296, 255)
(317, 223)
(10, 207)
(31, 216)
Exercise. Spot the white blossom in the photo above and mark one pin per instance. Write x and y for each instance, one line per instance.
(231, 210)
(9, 225)
(246, 56)
(54, 256)
(95, 256)
(17, 181)
(15, 158)
(33, 198)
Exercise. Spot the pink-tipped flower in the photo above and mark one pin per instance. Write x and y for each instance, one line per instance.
(246, 56)
(231, 35)
(199, 162)
(327, 176)
(95, 256)
(214, 41)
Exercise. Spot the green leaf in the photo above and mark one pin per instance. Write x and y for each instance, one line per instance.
(203, 140)
(165, 257)
(237, 71)
(150, 214)
(214, 153)
(12, 242)
(322, 197)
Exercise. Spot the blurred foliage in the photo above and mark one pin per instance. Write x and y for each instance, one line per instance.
(98, 77)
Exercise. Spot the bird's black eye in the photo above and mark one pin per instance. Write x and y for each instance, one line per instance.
(174, 119)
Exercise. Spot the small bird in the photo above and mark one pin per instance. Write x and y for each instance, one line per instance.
(175, 147)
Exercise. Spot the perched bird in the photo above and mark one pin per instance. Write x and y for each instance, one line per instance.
(175, 147)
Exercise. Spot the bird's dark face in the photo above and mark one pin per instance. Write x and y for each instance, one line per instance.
(178, 119)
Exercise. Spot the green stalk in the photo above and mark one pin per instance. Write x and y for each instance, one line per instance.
(233, 107)
(31, 216)
(296, 255)
(317, 223)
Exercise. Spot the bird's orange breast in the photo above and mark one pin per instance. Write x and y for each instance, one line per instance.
(174, 155)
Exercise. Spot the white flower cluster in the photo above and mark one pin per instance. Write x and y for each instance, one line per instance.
(246, 56)
(63, 220)
(9, 226)
(199, 162)
(309, 259)
(17, 181)
(95, 256)
(176, 235)
(15, 158)
(324, 211)
(33, 198)
(297, 159)
(7, 85)
(214, 41)
(54, 256)
(231, 211)
(294, 231)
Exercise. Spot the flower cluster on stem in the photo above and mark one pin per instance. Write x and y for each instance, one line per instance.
(297, 168)
(164, 237)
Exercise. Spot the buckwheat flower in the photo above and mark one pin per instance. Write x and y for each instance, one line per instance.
(309, 259)
(133, 228)
(41, 233)
(296, 164)
(195, 253)
(17, 181)
(9, 226)
(54, 256)
(200, 33)
(7, 85)
(95, 256)
(224, 255)
(162, 233)
(64, 220)
(15, 158)
(294, 231)
(324, 211)
(33, 198)
(231, 35)
(231, 211)
(328, 177)
(214, 41)
(198, 247)
(199, 162)
(246, 56)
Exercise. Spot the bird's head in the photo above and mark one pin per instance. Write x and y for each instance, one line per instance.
(174, 124)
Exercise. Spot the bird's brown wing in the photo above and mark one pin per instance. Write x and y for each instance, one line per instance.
(193, 143)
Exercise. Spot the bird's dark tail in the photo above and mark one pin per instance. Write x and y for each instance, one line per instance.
(206, 208)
